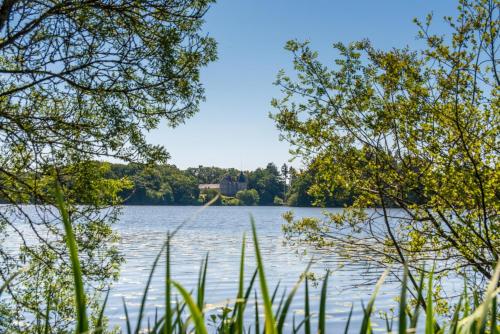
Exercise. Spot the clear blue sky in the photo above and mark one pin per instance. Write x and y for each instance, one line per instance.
(232, 128)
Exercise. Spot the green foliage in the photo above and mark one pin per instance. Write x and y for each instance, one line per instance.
(82, 82)
(82, 323)
(207, 195)
(211, 174)
(270, 323)
(47, 275)
(413, 129)
(303, 192)
(278, 200)
(268, 183)
(298, 194)
(230, 201)
(167, 185)
(156, 184)
(248, 197)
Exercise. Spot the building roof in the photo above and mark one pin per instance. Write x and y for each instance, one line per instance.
(209, 186)
(242, 178)
(226, 178)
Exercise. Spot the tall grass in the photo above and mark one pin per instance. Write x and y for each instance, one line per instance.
(186, 315)
(82, 323)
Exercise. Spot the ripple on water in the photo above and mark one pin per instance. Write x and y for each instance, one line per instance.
(218, 231)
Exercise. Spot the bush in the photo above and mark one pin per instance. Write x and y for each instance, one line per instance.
(278, 200)
(248, 197)
(230, 201)
(206, 195)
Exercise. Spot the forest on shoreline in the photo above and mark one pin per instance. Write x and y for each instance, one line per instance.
(168, 185)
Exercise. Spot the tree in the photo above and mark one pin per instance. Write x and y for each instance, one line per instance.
(284, 174)
(81, 81)
(185, 187)
(298, 191)
(248, 197)
(278, 201)
(211, 174)
(207, 195)
(304, 193)
(156, 185)
(413, 129)
(267, 182)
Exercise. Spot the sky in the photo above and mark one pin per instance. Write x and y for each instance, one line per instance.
(233, 128)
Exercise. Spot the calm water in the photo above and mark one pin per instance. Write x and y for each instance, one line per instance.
(219, 231)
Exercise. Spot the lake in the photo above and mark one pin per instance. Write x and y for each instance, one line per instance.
(219, 231)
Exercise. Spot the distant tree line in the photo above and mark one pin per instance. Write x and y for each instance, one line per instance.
(169, 185)
(145, 184)
(164, 184)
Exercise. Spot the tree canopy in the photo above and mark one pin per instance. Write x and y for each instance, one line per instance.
(248, 197)
(81, 81)
(415, 129)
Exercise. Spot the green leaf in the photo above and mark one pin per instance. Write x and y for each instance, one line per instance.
(402, 302)
(307, 312)
(348, 323)
(82, 323)
(429, 316)
(365, 324)
(270, 324)
(167, 329)
(195, 312)
(322, 305)
(127, 319)
(288, 302)
(100, 329)
(146, 290)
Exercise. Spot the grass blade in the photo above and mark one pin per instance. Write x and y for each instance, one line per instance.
(100, 319)
(47, 313)
(402, 303)
(493, 324)
(420, 299)
(348, 323)
(146, 290)
(127, 319)
(202, 277)
(240, 303)
(167, 329)
(454, 319)
(270, 324)
(275, 292)
(429, 316)
(82, 323)
(476, 322)
(178, 318)
(365, 324)
(466, 299)
(195, 312)
(257, 325)
(307, 312)
(322, 305)
(490, 295)
(286, 305)
(280, 305)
